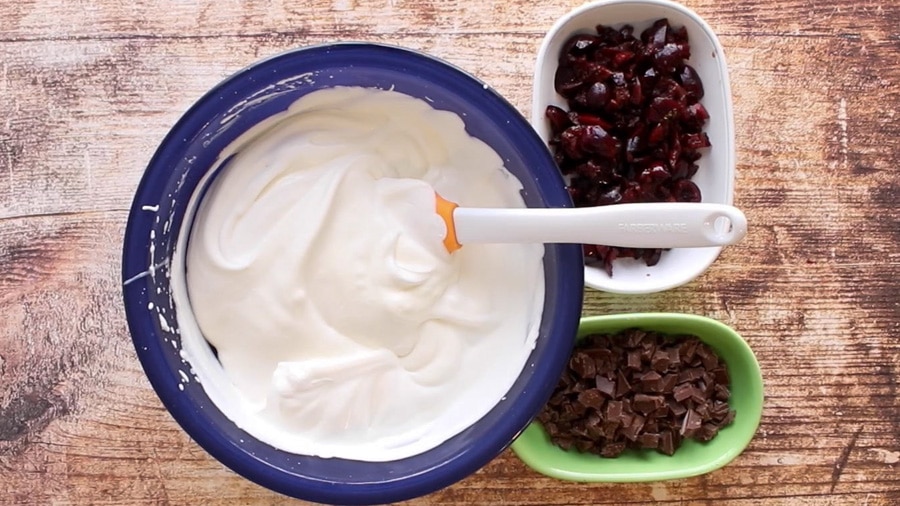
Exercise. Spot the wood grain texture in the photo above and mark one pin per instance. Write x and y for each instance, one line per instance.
(89, 88)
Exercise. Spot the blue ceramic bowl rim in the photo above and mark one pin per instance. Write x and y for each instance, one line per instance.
(464, 463)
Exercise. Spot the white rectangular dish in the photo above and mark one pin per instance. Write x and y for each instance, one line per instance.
(715, 176)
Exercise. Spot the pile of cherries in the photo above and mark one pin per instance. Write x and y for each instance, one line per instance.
(634, 128)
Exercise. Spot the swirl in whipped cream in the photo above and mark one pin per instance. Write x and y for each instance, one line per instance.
(315, 267)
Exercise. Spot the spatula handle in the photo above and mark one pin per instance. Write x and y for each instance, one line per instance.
(655, 225)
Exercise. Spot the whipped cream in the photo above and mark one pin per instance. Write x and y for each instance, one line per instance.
(315, 268)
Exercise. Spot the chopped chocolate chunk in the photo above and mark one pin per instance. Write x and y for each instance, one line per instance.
(622, 385)
(579, 387)
(583, 365)
(688, 375)
(707, 432)
(634, 338)
(691, 423)
(688, 349)
(707, 382)
(557, 398)
(720, 374)
(698, 395)
(674, 356)
(660, 361)
(676, 408)
(583, 445)
(633, 429)
(605, 385)
(650, 441)
(651, 382)
(591, 398)
(668, 382)
(581, 431)
(667, 443)
(682, 392)
(634, 360)
(564, 442)
(612, 449)
(648, 348)
(703, 410)
(567, 379)
(603, 360)
(609, 428)
(719, 410)
(676, 437)
(614, 410)
(577, 410)
(660, 412)
(638, 389)
(647, 404)
(710, 359)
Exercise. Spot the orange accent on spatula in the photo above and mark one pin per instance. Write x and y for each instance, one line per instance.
(445, 210)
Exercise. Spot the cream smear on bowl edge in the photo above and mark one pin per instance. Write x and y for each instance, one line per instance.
(315, 267)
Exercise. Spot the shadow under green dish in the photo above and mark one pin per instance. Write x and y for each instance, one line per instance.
(693, 458)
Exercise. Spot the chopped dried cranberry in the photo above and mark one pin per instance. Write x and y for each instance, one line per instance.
(691, 82)
(580, 45)
(567, 80)
(634, 145)
(635, 124)
(664, 109)
(696, 115)
(669, 88)
(686, 191)
(597, 96)
(636, 91)
(651, 256)
(655, 37)
(569, 141)
(679, 35)
(595, 170)
(674, 153)
(583, 118)
(609, 197)
(671, 55)
(631, 194)
(559, 119)
(654, 174)
(649, 79)
(596, 140)
(658, 134)
(697, 141)
(609, 35)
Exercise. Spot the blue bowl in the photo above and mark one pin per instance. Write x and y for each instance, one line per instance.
(157, 218)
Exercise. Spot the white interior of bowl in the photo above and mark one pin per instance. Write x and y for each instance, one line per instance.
(715, 178)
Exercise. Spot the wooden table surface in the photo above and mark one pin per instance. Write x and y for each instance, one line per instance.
(88, 88)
